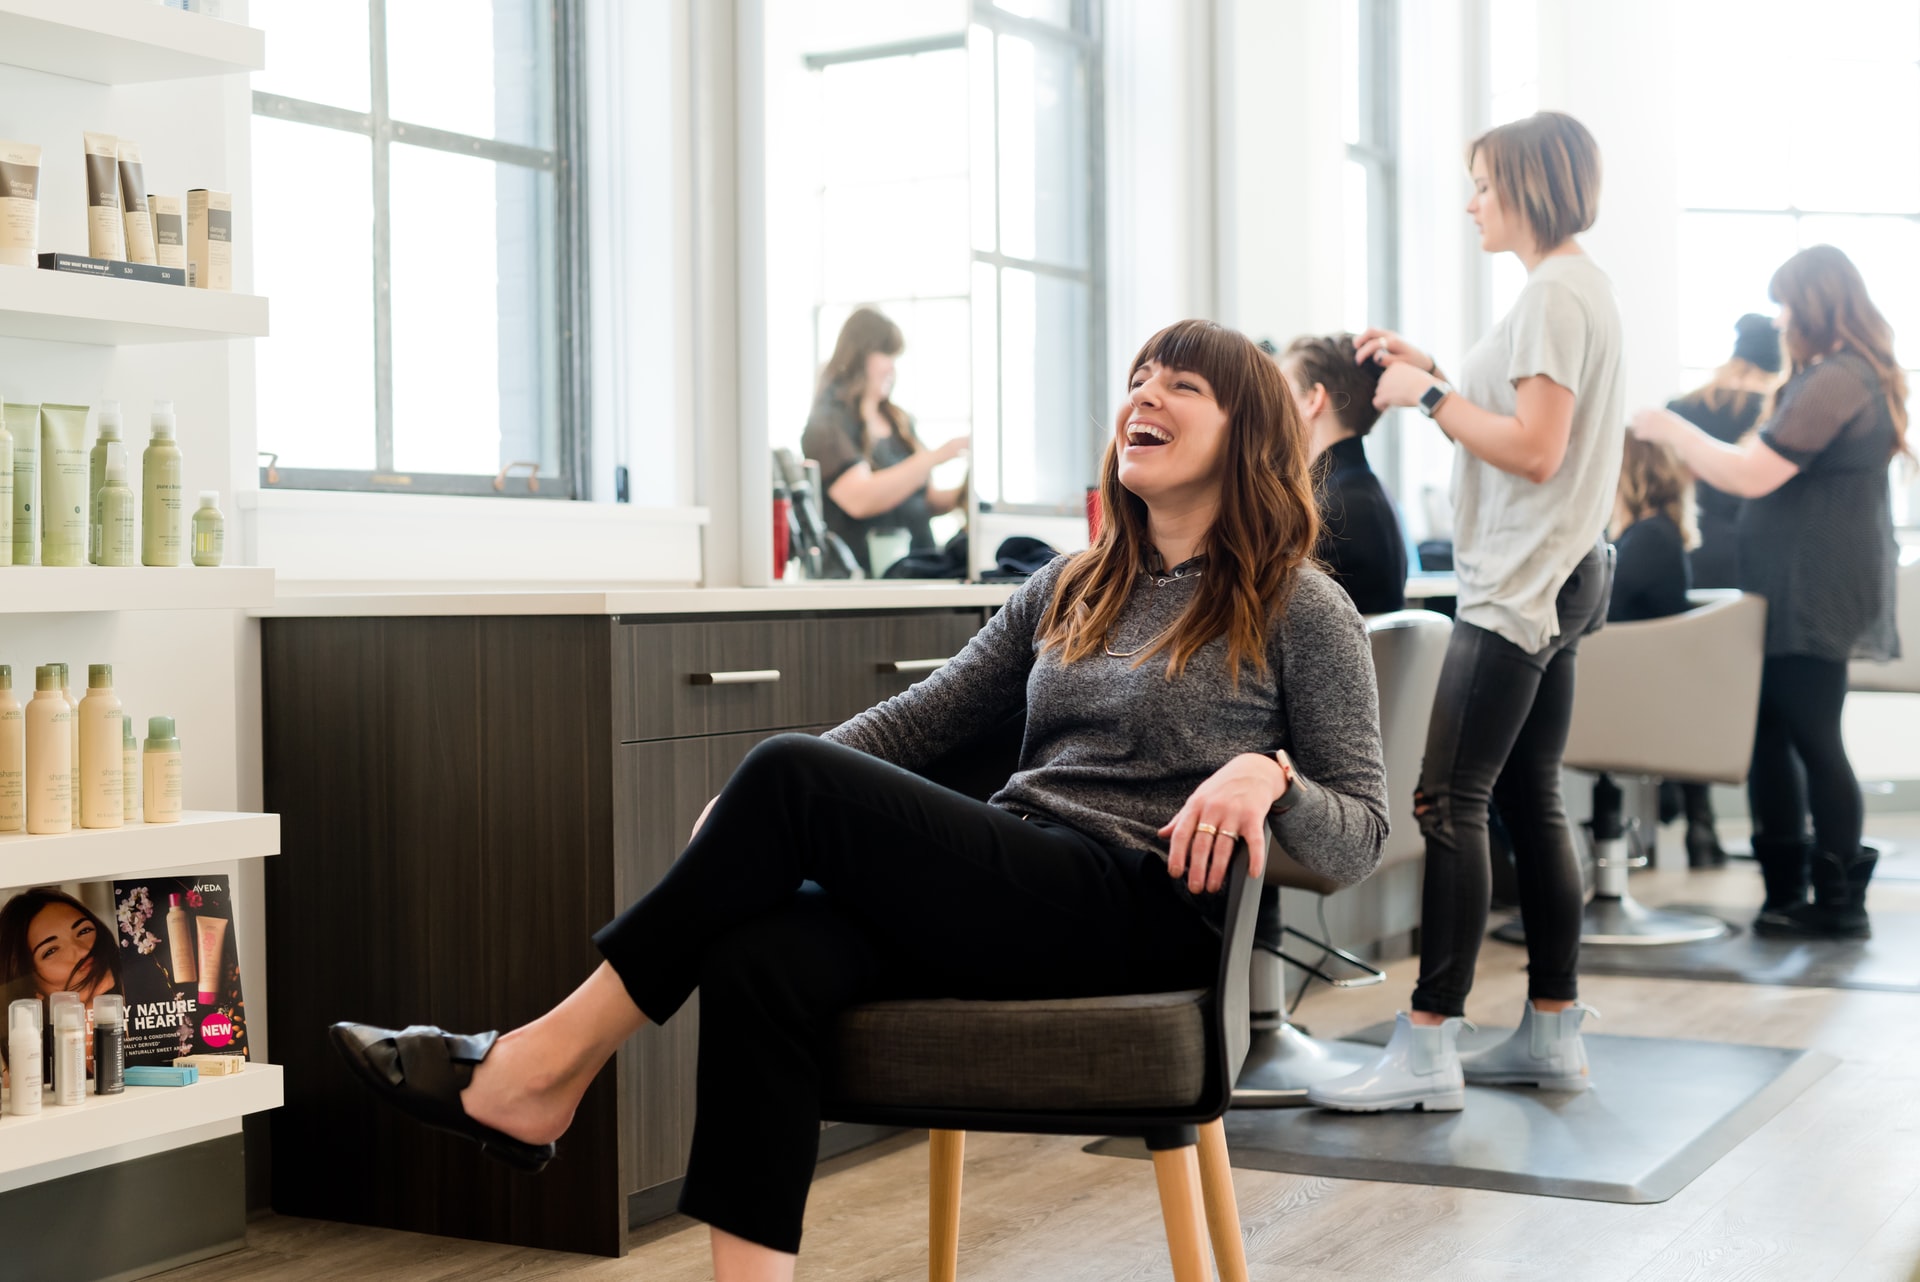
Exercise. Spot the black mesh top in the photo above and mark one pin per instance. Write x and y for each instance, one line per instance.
(1821, 548)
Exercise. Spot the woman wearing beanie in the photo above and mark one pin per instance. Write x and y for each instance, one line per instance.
(1727, 407)
(1816, 539)
(1538, 418)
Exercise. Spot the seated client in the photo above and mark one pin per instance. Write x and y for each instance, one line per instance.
(1360, 541)
(1652, 530)
(1186, 682)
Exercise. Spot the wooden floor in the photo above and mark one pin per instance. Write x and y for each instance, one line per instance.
(1829, 1189)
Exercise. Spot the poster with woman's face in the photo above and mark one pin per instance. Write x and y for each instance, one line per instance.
(51, 941)
(180, 967)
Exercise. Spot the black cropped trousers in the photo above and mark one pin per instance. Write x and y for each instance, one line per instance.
(824, 878)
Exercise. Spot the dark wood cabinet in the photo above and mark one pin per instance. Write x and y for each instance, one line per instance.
(463, 802)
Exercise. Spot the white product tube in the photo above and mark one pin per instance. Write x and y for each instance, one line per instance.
(106, 236)
(135, 218)
(19, 203)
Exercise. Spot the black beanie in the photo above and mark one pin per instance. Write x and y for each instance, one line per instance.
(1757, 342)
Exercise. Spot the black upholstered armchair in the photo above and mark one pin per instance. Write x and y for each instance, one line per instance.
(1159, 1066)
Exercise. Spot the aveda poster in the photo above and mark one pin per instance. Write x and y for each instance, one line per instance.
(180, 968)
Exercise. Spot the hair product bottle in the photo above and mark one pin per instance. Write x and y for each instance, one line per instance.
(160, 486)
(23, 1056)
(69, 1048)
(49, 755)
(73, 740)
(119, 533)
(109, 1044)
(102, 803)
(160, 772)
(25, 430)
(13, 756)
(180, 942)
(63, 484)
(97, 475)
(129, 770)
(6, 486)
(209, 530)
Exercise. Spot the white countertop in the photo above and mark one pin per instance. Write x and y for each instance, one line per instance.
(292, 601)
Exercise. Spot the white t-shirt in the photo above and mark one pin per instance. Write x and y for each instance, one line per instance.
(1516, 542)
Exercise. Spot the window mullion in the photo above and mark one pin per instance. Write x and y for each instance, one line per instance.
(382, 241)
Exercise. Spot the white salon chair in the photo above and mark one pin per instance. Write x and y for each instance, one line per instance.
(1408, 648)
(1674, 698)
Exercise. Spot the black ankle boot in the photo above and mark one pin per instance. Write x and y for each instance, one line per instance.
(1703, 844)
(1783, 870)
(1839, 907)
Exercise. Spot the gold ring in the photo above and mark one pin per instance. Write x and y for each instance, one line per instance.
(1209, 829)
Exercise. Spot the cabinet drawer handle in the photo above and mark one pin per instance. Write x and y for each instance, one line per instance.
(750, 677)
(914, 665)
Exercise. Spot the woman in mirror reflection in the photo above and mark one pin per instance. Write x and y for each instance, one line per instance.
(1538, 420)
(877, 474)
(1189, 684)
(1815, 537)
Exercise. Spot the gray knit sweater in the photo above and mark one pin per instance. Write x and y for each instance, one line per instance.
(1113, 749)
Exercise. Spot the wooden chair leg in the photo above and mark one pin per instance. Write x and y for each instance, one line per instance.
(1178, 1172)
(1223, 1212)
(944, 1154)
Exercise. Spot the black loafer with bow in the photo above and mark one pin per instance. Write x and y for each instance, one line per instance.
(421, 1071)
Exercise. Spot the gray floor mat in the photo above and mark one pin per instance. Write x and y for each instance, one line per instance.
(1888, 963)
(1660, 1112)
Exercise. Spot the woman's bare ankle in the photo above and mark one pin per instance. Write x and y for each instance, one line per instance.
(521, 1089)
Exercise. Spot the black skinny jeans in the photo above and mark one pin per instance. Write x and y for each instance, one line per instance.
(1800, 765)
(918, 891)
(1499, 730)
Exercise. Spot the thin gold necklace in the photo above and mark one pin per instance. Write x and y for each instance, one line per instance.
(1185, 570)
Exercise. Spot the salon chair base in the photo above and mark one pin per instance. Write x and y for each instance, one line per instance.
(1627, 921)
(1283, 1061)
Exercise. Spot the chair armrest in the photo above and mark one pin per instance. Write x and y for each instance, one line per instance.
(1233, 1005)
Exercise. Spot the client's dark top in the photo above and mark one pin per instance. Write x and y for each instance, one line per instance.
(832, 440)
(1650, 573)
(1360, 541)
(1714, 561)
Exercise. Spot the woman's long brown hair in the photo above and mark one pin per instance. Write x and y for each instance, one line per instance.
(1829, 311)
(844, 376)
(1653, 481)
(1264, 532)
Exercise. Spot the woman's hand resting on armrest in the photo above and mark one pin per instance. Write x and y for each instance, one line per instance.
(1234, 802)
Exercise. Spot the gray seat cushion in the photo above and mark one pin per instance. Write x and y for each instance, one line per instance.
(1062, 1055)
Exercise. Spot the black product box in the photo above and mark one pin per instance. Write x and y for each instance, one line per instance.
(113, 270)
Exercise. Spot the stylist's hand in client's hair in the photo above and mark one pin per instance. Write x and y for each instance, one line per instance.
(1234, 802)
(1384, 347)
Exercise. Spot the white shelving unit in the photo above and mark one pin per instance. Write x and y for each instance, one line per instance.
(93, 589)
(66, 307)
(124, 42)
(200, 837)
(140, 1113)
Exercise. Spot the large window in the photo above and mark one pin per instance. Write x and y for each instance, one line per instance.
(941, 160)
(1785, 143)
(419, 237)
(1370, 202)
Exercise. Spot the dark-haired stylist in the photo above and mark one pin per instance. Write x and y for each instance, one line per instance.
(1186, 681)
(1538, 416)
(1815, 537)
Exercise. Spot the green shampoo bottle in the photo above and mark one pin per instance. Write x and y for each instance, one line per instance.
(160, 533)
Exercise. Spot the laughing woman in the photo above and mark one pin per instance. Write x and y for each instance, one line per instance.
(1187, 682)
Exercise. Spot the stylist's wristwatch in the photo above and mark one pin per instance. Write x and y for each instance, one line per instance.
(1431, 398)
